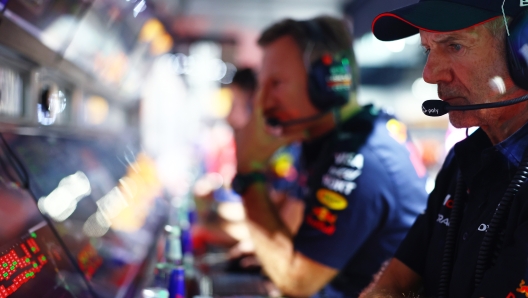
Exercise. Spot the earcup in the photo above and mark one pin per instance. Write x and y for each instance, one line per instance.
(330, 77)
(330, 81)
(517, 50)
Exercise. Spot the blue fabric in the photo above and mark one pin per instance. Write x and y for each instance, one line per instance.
(370, 169)
(513, 147)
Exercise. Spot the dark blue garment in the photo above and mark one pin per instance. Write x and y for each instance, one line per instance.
(364, 188)
(486, 171)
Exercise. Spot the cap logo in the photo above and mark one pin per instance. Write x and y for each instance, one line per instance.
(524, 3)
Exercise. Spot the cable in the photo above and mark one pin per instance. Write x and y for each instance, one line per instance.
(493, 239)
(451, 236)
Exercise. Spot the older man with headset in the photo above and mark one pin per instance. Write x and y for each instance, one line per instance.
(472, 240)
(361, 183)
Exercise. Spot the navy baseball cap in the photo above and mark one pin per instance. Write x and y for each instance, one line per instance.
(441, 16)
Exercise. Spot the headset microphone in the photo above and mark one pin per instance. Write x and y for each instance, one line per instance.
(435, 108)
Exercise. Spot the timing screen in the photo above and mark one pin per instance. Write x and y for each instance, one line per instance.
(35, 265)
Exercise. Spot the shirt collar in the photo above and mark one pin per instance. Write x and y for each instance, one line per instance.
(513, 147)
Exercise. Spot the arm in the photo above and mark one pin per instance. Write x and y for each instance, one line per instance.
(290, 209)
(274, 246)
(288, 269)
(397, 280)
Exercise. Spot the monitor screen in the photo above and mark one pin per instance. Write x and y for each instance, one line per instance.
(98, 201)
(33, 262)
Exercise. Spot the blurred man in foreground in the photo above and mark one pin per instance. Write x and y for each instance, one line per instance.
(472, 240)
(361, 185)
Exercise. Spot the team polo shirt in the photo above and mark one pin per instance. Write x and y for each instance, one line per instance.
(486, 171)
(363, 186)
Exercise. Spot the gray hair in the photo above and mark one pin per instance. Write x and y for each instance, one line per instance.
(497, 27)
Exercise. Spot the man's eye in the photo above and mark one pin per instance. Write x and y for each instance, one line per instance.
(426, 51)
(456, 47)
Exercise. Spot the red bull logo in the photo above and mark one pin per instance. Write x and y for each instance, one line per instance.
(322, 219)
(523, 288)
(324, 215)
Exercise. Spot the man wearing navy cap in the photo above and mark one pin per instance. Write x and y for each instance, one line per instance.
(472, 241)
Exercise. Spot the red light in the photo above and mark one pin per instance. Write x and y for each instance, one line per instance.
(12, 262)
(327, 59)
(89, 260)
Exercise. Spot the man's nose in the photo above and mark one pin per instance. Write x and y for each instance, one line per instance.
(437, 69)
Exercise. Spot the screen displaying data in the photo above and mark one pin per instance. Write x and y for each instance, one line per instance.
(33, 262)
(99, 198)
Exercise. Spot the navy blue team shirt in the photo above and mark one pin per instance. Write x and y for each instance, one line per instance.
(363, 186)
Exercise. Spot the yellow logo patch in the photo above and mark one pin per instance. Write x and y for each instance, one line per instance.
(397, 130)
(331, 199)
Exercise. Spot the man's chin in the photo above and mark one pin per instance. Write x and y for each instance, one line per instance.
(459, 121)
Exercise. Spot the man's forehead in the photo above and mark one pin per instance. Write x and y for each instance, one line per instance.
(442, 37)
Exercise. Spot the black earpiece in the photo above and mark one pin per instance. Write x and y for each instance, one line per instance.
(517, 49)
(330, 78)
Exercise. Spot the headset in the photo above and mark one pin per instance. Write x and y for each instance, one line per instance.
(330, 78)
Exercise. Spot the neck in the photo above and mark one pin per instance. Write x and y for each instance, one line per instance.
(349, 110)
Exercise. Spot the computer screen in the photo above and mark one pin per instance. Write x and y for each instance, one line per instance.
(33, 262)
(97, 200)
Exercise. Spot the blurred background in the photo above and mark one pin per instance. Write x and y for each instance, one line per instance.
(158, 68)
(131, 96)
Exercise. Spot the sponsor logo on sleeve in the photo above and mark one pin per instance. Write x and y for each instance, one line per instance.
(331, 199)
(397, 130)
(322, 219)
(523, 288)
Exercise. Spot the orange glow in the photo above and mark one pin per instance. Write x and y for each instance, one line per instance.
(222, 102)
(151, 30)
(161, 44)
(96, 109)
(140, 187)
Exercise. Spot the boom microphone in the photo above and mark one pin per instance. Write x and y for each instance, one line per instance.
(435, 108)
